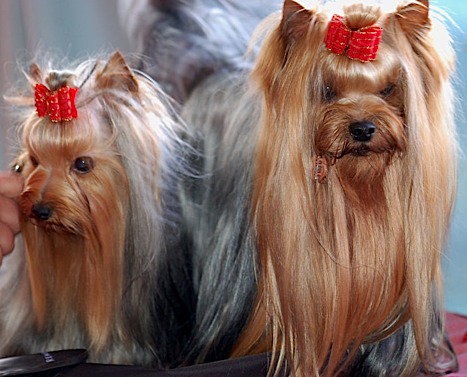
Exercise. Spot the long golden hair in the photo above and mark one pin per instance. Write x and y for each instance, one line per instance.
(349, 261)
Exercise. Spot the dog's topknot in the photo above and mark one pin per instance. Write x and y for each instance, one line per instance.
(358, 16)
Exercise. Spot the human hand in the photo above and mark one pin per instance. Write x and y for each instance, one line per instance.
(10, 187)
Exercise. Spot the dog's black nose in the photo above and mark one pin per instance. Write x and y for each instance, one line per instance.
(362, 131)
(41, 211)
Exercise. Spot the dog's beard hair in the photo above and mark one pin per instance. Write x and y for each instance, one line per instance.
(97, 271)
(349, 269)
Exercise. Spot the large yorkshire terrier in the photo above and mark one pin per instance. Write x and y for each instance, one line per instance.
(328, 194)
(101, 267)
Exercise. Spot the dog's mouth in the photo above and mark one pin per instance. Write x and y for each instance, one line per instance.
(322, 161)
(356, 151)
(50, 225)
(46, 225)
(360, 151)
(48, 217)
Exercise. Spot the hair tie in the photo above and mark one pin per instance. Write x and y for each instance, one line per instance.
(361, 44)
(59, 105)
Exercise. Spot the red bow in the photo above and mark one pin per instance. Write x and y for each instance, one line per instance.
(361, 44)
(58, 105)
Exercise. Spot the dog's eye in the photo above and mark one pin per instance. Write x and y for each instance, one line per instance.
(83, 165)
(329, 94)
(17, 167)
(387, 91)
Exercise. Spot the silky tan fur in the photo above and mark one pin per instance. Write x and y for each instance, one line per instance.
(96, 274)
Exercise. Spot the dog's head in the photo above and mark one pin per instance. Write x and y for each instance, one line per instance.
(74, 179)
(355, 83)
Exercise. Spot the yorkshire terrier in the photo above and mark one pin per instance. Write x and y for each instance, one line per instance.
(329, 185)
(101, 265)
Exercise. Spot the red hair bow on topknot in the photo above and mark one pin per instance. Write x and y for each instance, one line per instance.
(361, 44)
(58, 105)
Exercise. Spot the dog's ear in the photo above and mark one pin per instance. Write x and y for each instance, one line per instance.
(295, 20)
(35, 73)
(414, 18)
(117, 75)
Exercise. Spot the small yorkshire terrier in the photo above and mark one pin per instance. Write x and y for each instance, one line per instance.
(329, 185)
(101, 157)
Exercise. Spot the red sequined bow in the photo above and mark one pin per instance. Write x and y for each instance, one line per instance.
(361, 44)
(58, 105)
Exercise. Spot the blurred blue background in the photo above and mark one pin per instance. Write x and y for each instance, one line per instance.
(77, 29)
(455, 263)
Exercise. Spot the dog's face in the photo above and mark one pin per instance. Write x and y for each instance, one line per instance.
(360, 123)
(71, 172)
(361, 111)
(74, 178)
